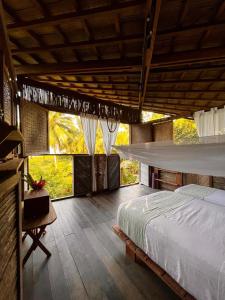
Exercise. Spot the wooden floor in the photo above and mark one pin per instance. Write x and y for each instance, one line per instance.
(88, 260)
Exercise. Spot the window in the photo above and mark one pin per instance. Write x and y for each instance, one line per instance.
(57, 170)
(184, 130)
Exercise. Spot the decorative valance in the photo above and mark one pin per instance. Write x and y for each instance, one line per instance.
(67, 101)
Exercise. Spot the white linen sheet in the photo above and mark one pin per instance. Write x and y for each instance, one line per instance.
(189, 244)
(209, 194)
(134, 215)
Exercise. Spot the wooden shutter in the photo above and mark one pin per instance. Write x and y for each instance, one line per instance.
(82, 174)
(113, 171)
(100, 169)
(34, 128)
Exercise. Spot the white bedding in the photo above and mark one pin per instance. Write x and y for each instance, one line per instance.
(189, 244)
(209, 194)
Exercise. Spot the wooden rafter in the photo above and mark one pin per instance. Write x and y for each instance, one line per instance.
(189, 91)
(151, 22)
(185, 99)
(5, 48)
(182, 13)
(78, 15)
(77, 45)
(90, 66)
(42, 7)
(10, 12)
(184, 57)
(92, 82)
(165, 60)
(191, 29)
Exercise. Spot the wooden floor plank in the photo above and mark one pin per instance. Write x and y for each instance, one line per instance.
(59, 285)
(72, 276)
(88, 260)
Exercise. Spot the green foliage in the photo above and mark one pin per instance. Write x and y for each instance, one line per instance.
(129, 172)
(56, 170)
(184, 131)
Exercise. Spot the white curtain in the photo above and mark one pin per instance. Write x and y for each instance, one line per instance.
(109, 132)
(89, 125)
(210, 122)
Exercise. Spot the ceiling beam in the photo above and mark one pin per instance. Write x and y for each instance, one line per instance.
(189, 106)
(185, 91)
(78, 45)
(8, 9)
(187, 68)
(6, 51)
(220, 10)
(151, 23)
(193, 29)
(102, 66)
(78, 15)
(42, 7)
(113, 83)
(104, 89)
(116, 82)
(179, 58)
(185, 99)
(183, 12)
(165, 60)
(165, 110)
(188, 81)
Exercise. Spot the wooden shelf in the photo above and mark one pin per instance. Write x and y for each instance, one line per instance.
(168, 171)
(11, 165)
(10, 138)
(167, 182)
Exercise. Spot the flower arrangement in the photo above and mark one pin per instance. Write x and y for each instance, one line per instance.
(34, 184)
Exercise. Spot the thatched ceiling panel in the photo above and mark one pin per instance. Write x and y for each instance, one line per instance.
(106, 47)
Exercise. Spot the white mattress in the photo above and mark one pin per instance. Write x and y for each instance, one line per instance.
(189, 244)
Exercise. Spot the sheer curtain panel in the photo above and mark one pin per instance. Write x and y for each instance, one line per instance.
(210, 122)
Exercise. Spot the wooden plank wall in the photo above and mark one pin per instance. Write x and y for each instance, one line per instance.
(10, 239)
(141, 133)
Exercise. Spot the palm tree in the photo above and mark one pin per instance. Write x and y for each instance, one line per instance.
(61, 131)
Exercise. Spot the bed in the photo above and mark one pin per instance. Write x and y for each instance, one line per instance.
(184, 235)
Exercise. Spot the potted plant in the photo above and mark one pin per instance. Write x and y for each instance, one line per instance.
(36, 185)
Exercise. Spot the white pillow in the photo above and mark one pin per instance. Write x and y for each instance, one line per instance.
(206, 193)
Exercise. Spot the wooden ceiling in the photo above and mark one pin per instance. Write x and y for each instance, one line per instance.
(95, 47)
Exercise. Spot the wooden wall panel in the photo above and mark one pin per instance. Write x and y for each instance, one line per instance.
(197, 179)
(218, 182)
(10, 239)
(140, 133)
(34, 124)
(163, 131)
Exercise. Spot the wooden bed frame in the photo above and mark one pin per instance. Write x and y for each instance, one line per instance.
(140, 256)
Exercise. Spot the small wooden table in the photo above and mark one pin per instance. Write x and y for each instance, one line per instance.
(35, 227)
